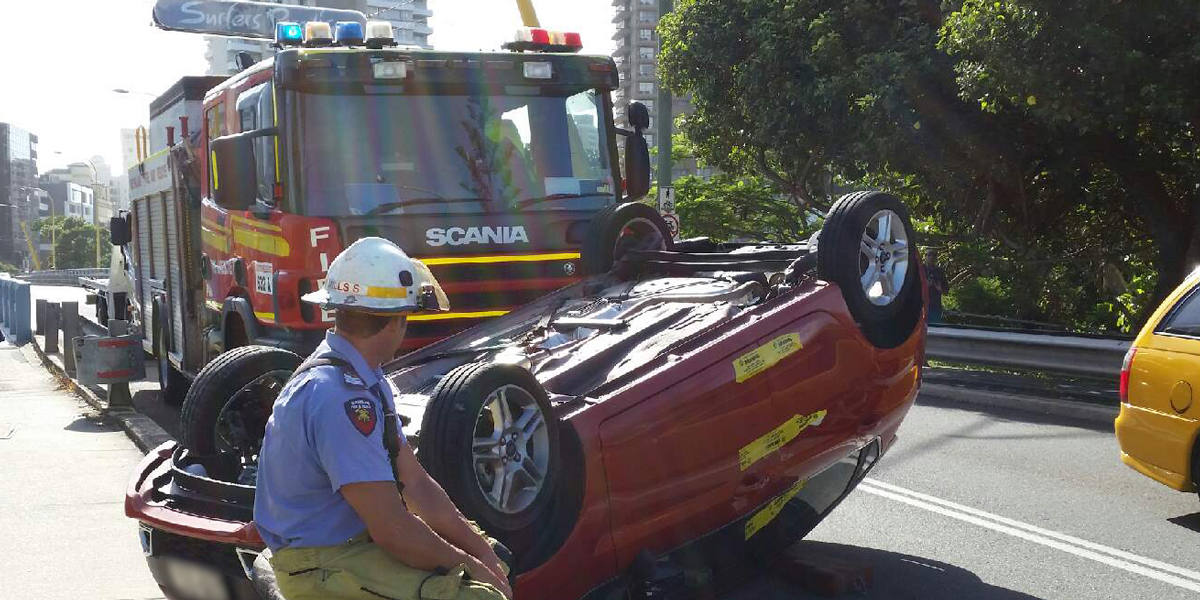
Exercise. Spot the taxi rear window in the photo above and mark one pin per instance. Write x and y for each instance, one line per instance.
(1184, 317)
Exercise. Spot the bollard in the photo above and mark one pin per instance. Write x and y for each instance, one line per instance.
(52, 325)
(118, 393)
(69, 315)
(40, 317)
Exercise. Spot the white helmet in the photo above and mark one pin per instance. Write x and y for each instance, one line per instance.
(374, 275)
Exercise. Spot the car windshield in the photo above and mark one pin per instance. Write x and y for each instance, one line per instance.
(527, 148)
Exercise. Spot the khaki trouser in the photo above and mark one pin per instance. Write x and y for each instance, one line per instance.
(360, 569)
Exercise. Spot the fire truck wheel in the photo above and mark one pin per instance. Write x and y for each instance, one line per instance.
(229, 403)
(619, 229)
(172, 385)
(867, 247)
(489, 438)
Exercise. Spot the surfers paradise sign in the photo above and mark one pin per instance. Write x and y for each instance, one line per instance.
(240, 19)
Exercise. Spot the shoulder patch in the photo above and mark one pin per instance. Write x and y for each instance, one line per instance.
(362, 415)
(351, 379)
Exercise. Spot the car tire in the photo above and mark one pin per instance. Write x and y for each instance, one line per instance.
(218, 383)
(172, 385)
(618, 229)
(459, 417)
(852, 251)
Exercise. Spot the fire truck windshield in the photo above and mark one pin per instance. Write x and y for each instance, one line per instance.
(527, 148)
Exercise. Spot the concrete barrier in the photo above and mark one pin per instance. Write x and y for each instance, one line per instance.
(15, 311)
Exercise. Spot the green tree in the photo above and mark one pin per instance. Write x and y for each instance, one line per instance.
(74, 239)
(727, 207)
(1036, 140)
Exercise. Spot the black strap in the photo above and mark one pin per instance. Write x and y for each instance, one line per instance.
(391, 436)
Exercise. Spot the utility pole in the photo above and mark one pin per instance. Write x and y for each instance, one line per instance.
(665, 120)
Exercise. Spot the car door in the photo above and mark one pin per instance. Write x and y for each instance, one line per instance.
(1164, 380)
(672, 460)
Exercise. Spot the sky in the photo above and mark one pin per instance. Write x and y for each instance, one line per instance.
(61, 59)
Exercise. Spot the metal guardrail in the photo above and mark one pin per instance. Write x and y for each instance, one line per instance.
(60, 276)
(14, 310)
(1074, 355)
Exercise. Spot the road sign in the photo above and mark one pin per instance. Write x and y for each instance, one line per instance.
(666, 200)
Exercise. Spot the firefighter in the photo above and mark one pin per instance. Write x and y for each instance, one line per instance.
(342, 503)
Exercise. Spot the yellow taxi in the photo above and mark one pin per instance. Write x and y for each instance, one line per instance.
(1160, 381)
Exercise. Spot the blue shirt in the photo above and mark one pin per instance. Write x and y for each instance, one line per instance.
(325, 431)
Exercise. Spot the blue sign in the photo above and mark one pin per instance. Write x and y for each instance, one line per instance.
(241, 19)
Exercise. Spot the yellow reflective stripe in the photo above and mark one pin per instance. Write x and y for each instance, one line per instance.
(216, 227)
(214, 239)
(772, 509)
(255, 223)
(460, 315)
(275, 122)
(213, 163)
(459, 260)
(263, 242)
(213, 304)
(386, 292)
(264, 316)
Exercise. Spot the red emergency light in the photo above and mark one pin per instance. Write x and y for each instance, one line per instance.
(536, 39)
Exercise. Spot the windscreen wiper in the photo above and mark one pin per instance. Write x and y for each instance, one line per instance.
(390, 206)
(531, 201)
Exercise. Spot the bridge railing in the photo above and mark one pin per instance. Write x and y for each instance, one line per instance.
(1056, 353)
(60, 276)
(14, 310)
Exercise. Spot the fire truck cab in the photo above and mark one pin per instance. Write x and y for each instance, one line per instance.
(489, 167)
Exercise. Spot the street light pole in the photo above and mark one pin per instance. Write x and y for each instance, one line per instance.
(665, 120)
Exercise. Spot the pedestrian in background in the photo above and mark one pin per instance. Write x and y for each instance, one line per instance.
(935, 279)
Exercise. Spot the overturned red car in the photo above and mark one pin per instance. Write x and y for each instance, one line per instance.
(697, 402)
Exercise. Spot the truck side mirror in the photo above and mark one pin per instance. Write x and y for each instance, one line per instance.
(234, 172)
(118, 230)
(637, 154)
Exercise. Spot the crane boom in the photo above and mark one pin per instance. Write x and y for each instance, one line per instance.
(528, 15)
(37, 263)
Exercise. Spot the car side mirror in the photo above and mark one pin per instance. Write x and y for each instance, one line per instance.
(637, 154)
(234, 172)
(119, 232)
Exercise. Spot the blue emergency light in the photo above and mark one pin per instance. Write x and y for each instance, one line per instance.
(348, 33)
(288, 34)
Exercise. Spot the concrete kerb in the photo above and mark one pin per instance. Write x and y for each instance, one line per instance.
(144, 432)
(1073, 409)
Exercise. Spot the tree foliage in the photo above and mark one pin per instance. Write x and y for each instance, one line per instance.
(1048, 144)
(74, 241)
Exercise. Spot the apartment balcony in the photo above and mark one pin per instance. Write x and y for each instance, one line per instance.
(623, 3)
(622, 14)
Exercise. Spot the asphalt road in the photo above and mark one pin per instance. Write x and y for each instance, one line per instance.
(1002, 505)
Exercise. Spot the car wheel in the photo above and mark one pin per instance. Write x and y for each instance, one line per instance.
(489, 439)
(867, 246)
(229, 404)
(619, 229)
(172, 384)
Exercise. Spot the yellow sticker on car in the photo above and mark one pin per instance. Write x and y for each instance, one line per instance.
(776, 438)
(765, 356)
(768, 513)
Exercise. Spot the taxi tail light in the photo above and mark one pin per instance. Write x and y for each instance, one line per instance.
(1126, 366)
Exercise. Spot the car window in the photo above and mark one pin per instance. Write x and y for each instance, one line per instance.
(1184, 317)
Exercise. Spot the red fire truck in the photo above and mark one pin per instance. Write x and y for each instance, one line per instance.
(490, 167)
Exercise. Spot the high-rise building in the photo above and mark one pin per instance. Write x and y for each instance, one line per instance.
(409, 19)
(636, 56)
(18, 184)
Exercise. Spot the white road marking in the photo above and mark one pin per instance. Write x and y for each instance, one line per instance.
(1166, 573)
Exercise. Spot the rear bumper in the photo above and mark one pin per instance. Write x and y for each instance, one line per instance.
(1157, 445)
